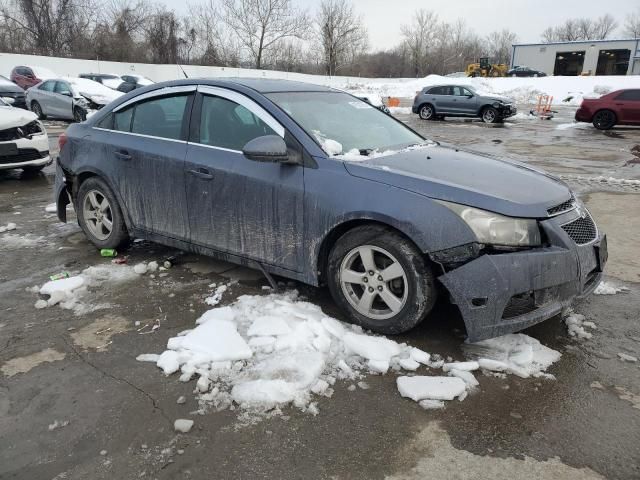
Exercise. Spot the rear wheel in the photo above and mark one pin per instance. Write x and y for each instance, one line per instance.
(37, 109)
(427, 112)
(604, 119)
(99, 214)
(490, 115)
(380, 280)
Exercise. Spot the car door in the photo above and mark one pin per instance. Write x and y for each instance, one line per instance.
(438, 97)
(43, 94)
(62, 100)
(628, 106)
(144, 144)
(236, 205)
(464, 102)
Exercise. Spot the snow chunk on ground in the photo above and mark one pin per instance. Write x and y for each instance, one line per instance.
(627, 358)
(213, 341)
(182, 425)
(466, 366)
(576, 326)
(372, 348)
(514, 353)
(607, 288)
(267, 326)
(8, 227)
(59, 290)
(430, 388)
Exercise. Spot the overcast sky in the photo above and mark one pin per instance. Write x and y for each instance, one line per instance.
(528, 18)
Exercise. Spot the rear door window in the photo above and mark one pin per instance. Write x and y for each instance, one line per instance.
(47, 86)
(226, 124)
(159, 117)
(629, 95)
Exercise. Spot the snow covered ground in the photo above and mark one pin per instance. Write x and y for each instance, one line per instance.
(263, 352)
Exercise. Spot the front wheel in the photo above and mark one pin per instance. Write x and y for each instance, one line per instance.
(380, 280)
(99, 214)
(79, 115)
(604, 119)
(427, 112)
(490, 115)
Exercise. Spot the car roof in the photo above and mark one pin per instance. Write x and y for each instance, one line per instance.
(261, 85)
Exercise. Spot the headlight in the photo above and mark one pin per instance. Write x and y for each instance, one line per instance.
(497, 104)
(495, 229)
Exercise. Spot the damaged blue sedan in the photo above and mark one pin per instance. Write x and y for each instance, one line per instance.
(316, 185)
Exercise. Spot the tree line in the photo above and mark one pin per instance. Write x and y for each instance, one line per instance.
(264, 34)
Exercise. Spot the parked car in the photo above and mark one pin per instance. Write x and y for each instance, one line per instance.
(138, 81)
(621, 107)
(23, 140)
(12, 93)
(27, 76)
(525, 72)
(318, 186)
(107, 79)
(69, 98)
(440, 101)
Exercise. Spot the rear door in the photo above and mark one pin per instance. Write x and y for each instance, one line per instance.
(628, 106)
(144, 141)
(438, 96)
(236, 205)
(62, 100)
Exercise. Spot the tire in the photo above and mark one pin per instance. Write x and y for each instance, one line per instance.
(79, 115)
(535, 75)
(427, 112)
(90, 201)
(411, 291)
(37, 109)
(513, 75)
(490, 115)
(604, 119)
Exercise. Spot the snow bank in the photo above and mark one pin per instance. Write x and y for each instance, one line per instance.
(565, 90)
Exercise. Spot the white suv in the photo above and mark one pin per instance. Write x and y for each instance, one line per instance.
(23, 140)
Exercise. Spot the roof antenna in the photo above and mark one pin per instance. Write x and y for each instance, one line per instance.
(183, 72)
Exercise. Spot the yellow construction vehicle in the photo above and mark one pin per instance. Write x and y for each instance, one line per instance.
(486, 69)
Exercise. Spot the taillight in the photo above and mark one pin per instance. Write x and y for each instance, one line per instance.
(62, 140)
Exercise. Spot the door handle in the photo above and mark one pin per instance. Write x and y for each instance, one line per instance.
(202, 173)
(123, 155)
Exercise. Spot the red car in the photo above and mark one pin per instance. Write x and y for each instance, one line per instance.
(25, 76)
(621, 107)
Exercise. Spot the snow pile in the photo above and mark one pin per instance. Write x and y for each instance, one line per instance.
(514, 353)
(69, 292)
(400, 110)
(607, 288)
(565, 90)
(10, 241)
(263, 352)
(576, 326)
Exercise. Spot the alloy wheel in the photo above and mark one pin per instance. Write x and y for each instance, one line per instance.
(489, 115)
(604, 120)
(426, 112)
(374, 282)
(97, 214)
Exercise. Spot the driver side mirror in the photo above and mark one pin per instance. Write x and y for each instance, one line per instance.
(268, 148)
(469, 95)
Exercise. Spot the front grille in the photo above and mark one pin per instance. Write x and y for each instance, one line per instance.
(582, 230)
(24, 155)
(9, 134)
(563, 207)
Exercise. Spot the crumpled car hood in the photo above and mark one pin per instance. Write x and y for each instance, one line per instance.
(445, 173)
(15, 117)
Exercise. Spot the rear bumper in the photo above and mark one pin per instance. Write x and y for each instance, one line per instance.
(504, 293)
(583, 115)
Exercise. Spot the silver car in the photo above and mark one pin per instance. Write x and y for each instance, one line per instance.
(440, 101)
(68, 98)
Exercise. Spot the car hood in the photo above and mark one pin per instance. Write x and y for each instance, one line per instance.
(499, 98)
(445, 173)
(15, 117)
(9, 87)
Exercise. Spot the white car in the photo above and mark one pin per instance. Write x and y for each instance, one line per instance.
(23, 140)
(69, 98)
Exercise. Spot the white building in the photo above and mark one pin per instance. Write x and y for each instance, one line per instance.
(595, 57)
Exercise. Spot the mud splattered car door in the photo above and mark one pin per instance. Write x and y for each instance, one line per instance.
(236, 205)
(146, 145)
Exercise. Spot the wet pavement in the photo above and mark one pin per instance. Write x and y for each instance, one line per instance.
(58, 366)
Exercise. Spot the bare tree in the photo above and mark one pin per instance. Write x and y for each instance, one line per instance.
(215, 43)
(499, 45)
(418, 36)
(341, 34)
(632, 25)
(261, 24)
(575, 29)
(50, 27)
